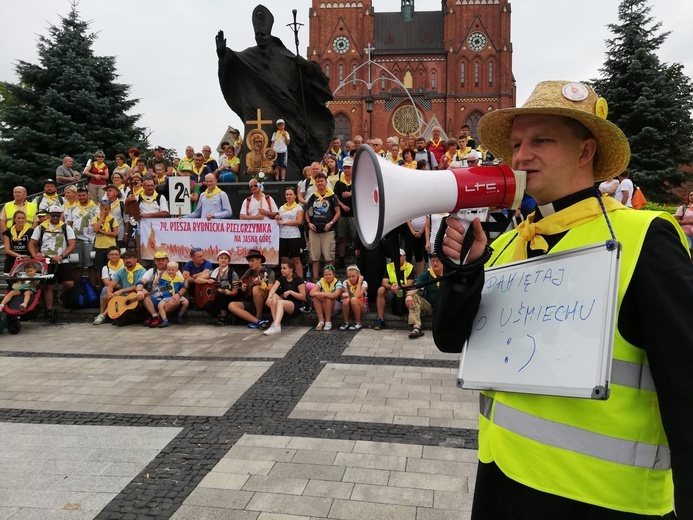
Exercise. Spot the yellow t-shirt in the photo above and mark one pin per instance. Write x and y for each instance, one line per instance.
(102, 241)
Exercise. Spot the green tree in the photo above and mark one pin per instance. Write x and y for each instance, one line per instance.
(649, 100)
(68, 104)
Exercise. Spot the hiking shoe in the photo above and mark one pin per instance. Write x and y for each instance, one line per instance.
(320, 325)
(221, 321)
(344, 326)
(264, 324)
(253, 325)
(148, 321)
(379, 324)
(180, 319)
(155, 322)
(356, 326)
(274, 329)
(164, 323)
(328, 325)
(99, 319)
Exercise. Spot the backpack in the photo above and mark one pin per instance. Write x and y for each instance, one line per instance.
(82, 296)
(638, 200)
(247, 203)
(38, 200)
(64, 228)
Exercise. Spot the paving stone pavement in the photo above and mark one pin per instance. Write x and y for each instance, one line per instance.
(198, 422)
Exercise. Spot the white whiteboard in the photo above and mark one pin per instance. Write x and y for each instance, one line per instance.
(546, 325)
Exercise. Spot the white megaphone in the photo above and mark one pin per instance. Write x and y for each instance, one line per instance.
(386, 195)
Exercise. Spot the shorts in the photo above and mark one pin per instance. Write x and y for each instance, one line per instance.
(346, 227)
(289, 247)
(321, 244)
(61, 273)
(156, 301)
(281, 159)
(83, 251)
(688, 237)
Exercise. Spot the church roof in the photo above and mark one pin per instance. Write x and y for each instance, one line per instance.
(422, 35)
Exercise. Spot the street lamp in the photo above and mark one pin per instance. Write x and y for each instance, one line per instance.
(369, 104)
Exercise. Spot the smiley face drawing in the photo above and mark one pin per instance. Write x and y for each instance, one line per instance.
(521, 352)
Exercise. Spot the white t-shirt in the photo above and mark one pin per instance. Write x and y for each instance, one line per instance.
(81, 218)
(252, 208)
(153, 207)
(279, 142)
(53, 243)
(626, 185)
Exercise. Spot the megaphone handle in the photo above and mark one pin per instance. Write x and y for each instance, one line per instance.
(452, 264)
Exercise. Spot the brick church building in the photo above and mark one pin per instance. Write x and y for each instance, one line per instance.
(456, 64)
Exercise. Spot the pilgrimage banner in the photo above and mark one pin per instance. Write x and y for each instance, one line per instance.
(177, 236)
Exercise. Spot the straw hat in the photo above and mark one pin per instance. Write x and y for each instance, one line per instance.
(563, 98)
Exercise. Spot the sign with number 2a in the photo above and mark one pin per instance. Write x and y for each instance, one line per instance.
(179, 195)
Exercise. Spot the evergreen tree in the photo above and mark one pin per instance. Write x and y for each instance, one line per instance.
(649, 100)
(68, 104)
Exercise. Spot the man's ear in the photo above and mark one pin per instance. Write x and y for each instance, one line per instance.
(588, 149)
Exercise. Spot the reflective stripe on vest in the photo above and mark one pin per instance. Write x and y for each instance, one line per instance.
(648, 456)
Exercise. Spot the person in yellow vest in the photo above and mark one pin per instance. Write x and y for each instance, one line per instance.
(626, 457)
(391, 286)
(18, 202)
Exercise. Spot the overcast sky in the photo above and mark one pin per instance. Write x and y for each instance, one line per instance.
(165, 48)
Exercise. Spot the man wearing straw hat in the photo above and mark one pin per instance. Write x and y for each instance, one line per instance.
(629, 456)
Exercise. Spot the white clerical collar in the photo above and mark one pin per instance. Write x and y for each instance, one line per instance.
(546, 209)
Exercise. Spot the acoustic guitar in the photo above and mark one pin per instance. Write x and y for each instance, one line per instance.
(119, 305)
(205, 293)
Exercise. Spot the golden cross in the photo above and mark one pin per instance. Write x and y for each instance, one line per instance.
(259, 122)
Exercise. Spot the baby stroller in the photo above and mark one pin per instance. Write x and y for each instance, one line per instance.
(14, 314)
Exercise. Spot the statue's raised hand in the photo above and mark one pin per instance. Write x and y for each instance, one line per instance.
(221, 43)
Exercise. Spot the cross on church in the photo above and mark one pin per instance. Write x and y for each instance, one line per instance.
(259, 121)
(368, 50)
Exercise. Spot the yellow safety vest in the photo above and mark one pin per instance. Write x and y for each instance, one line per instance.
(612, 453)
(11, 208)
(406, 270)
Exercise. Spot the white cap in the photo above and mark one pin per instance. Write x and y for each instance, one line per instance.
(55, 209)
(281, 121)
(348, 161)
(473, 155)
(223, 252)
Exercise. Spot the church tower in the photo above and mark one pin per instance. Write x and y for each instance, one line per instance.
(394, 73)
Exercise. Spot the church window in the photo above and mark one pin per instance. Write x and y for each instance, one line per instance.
(476, 73)
(462, 73)
(490, 73)
(408, 80)
(382, 81)
(341, 73)
(433, 80)
(353, 74)
(473, 121)
(342, 127)
(327, 70)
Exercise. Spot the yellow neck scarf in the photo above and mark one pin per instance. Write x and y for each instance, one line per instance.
(161, 179)
(436, 144)
(137, 191)
(343, 180)
(411, 165)
(15, 236)
(50, 197)
(83, 208)
(434, 275)
(580, 213)
(328, 193)
(209, 194)
(131, 274)
(286, 206)
(114, 267)
(47, 226)
(98, 165)
(147, 199)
